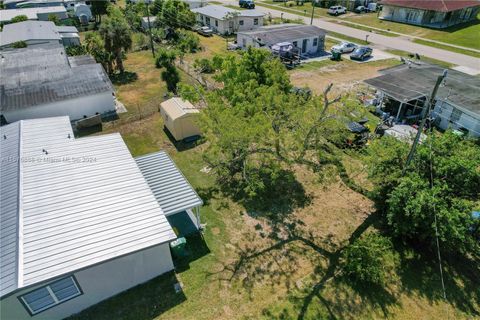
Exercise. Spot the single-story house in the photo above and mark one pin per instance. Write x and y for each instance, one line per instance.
(429, 13)
(41, 14)
(41, 82)
(309, 39)
(82, 12)
(81, 222)
(179, 118)
(35, 33)
(225, 20)
(193, 4)
(404, 89)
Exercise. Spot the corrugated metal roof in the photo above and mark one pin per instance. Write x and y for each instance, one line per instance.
(220, 12)
(284, 33)
(35, 76)
(31, 13)
(170, 187)
(29, 30)
(434, 5)
(83, 203)
(407, 82)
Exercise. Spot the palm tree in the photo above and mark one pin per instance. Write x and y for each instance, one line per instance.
(116, 35)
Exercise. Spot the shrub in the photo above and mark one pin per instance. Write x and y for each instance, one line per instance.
(19, 44)
(19, 18)
(368, 260)
(203, 65)
(290, 4)
(188, 42)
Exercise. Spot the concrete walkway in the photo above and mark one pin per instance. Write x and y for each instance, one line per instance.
(469, 63)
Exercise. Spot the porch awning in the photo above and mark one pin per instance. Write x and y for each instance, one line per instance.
(168, 184)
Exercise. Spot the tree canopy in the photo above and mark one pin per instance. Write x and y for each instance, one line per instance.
(412, 201)
(116, 35)
(256, 127)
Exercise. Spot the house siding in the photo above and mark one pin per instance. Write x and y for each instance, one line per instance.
(74, 108)
(231, 25)
(447, 120)
(98, 283)
(246, 40)
(428, 18)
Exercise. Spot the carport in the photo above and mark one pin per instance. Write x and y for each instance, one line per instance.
(177, 198)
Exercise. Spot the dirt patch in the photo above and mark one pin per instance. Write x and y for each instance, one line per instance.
(345, 75)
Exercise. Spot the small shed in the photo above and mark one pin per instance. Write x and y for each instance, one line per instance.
(179, 118)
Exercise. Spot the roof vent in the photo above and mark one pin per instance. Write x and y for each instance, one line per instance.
(4, 137)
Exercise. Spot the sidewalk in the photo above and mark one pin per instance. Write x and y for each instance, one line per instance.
(407, 36)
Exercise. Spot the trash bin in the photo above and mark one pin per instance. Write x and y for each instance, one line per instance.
(178, 247)
(336, 56)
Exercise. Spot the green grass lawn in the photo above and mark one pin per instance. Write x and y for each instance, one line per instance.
(238, 272)
(462, 35)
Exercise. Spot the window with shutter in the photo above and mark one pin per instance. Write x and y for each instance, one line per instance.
(51, 295)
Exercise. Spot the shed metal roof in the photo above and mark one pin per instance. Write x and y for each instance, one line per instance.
(407, 82)
(270, 35)
(170, 187)
(177, 107)
(83, 203)
(36, 76)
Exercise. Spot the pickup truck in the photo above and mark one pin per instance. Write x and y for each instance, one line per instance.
(247, 4)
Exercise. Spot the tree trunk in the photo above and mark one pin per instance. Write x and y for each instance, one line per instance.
(119, 61)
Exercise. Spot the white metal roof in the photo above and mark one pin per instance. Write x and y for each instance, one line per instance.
(29, 30)
(177, 107)
(221, 12)
(31, 13)
(70, 203)
(170, 187)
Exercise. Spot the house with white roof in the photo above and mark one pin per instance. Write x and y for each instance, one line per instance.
(81, 219)
(225, 20)
(39, 13)
(42, 82)
(38, 33)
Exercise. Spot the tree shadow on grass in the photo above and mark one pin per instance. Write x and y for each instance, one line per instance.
(420, 274)
(123, 78)
(143, 302)
(278, 199)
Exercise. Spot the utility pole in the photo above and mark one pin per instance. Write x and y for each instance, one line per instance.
(313, 11)
(425, 114)
(150, 28)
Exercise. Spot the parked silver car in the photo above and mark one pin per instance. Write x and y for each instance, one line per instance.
(336, 10)
(345, 47)
(205, 31)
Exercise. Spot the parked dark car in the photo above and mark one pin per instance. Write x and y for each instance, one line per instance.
(361, 53)
(360, 9)
(247, 4)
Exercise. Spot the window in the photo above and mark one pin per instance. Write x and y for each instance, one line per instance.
(315, 42)
(51, 295)
(216, 23)
(455, 116)
(295, 44)
(207, 21)
(240, 22)
(255, 22)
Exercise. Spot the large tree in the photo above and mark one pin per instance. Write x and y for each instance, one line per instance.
(173, 15)
(257, 128)
(99, 8)
(116, 35)
(442, 182)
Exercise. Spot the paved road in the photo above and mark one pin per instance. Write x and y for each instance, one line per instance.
(398, 43)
